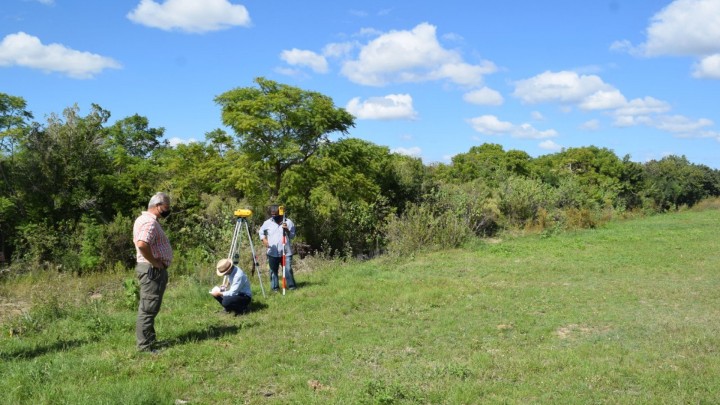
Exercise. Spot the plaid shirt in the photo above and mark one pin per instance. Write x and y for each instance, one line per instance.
(148, 230)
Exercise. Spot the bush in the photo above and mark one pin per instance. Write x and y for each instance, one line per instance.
(35, 243)
(521, 199)
(447, 218)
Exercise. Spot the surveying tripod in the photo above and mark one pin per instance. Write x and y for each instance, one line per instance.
(234, 255)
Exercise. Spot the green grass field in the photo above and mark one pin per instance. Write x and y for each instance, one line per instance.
(625, 314)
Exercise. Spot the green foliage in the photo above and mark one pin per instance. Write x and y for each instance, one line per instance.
(90, 245)
(131, 297)
(447, 218)
(673, 182)
(13, 122)
(71, 188)
(521, 199)
(36, 243)
(280, 124)
(101, 246)
(343, 194)
(488, 162)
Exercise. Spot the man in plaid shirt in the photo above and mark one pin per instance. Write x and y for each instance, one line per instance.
(154, 256)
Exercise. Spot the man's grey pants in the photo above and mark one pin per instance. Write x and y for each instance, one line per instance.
(152, 287)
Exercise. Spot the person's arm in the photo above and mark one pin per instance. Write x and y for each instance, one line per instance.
(263, 234)
(291, 229)
(236, 281)
(146, 252)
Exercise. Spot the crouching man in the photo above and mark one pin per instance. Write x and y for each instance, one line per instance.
(234, 294)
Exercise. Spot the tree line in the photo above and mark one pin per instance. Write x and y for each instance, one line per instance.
(71, 187)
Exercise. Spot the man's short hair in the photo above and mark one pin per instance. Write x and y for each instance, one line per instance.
(159, 198)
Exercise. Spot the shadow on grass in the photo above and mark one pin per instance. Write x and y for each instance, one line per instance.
(210, 332)
(32, 352)
(256, 306)
(306, 284)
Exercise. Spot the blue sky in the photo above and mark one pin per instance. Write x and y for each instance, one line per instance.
(427, 79)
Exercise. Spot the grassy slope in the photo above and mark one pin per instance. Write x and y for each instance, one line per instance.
(624, 314)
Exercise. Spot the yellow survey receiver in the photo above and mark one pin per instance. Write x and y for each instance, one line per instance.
(243, 213)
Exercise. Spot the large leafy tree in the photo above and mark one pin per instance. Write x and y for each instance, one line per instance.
(281, 125)
(61, 166)
(488, 162)
(597, 171)
(14, 124)
(132, 145)
(346, 192)
(673, 181)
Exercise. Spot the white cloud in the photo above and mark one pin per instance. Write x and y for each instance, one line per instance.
(625, 46)
(685, 27)
(298, 57)
(681, 124)
(549, 145)
(412, 56)
(46, 2)
(338, 49)
(290, 72)
(462, 73)
(175, 141)
(603, 100)
(708, 68)
(25, 50)
(563, 87)
(643, 106)
(452, 36)
(190, 15)
(630, 120)
(413, 152)
(390, 107)
(537, 116)
(368, 32)
(590, 93)
(591, 125)
(491, 125)
(484, 96)
(708, 134)
(530, 132)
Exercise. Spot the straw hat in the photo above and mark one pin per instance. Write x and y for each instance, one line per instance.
(223, 267)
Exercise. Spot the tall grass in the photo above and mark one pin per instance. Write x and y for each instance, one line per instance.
(625, 313)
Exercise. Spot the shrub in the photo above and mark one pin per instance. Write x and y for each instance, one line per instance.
(521, 198)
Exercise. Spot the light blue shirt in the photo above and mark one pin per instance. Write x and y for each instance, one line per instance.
(275, 237)
(239, 283)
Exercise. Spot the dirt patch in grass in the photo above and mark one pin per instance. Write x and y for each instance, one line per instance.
(11, 309)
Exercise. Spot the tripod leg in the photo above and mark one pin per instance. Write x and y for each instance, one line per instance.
(255, 259)
(234, 246)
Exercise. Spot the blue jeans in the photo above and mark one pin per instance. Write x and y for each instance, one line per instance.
(234, 303)
(274, 263)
